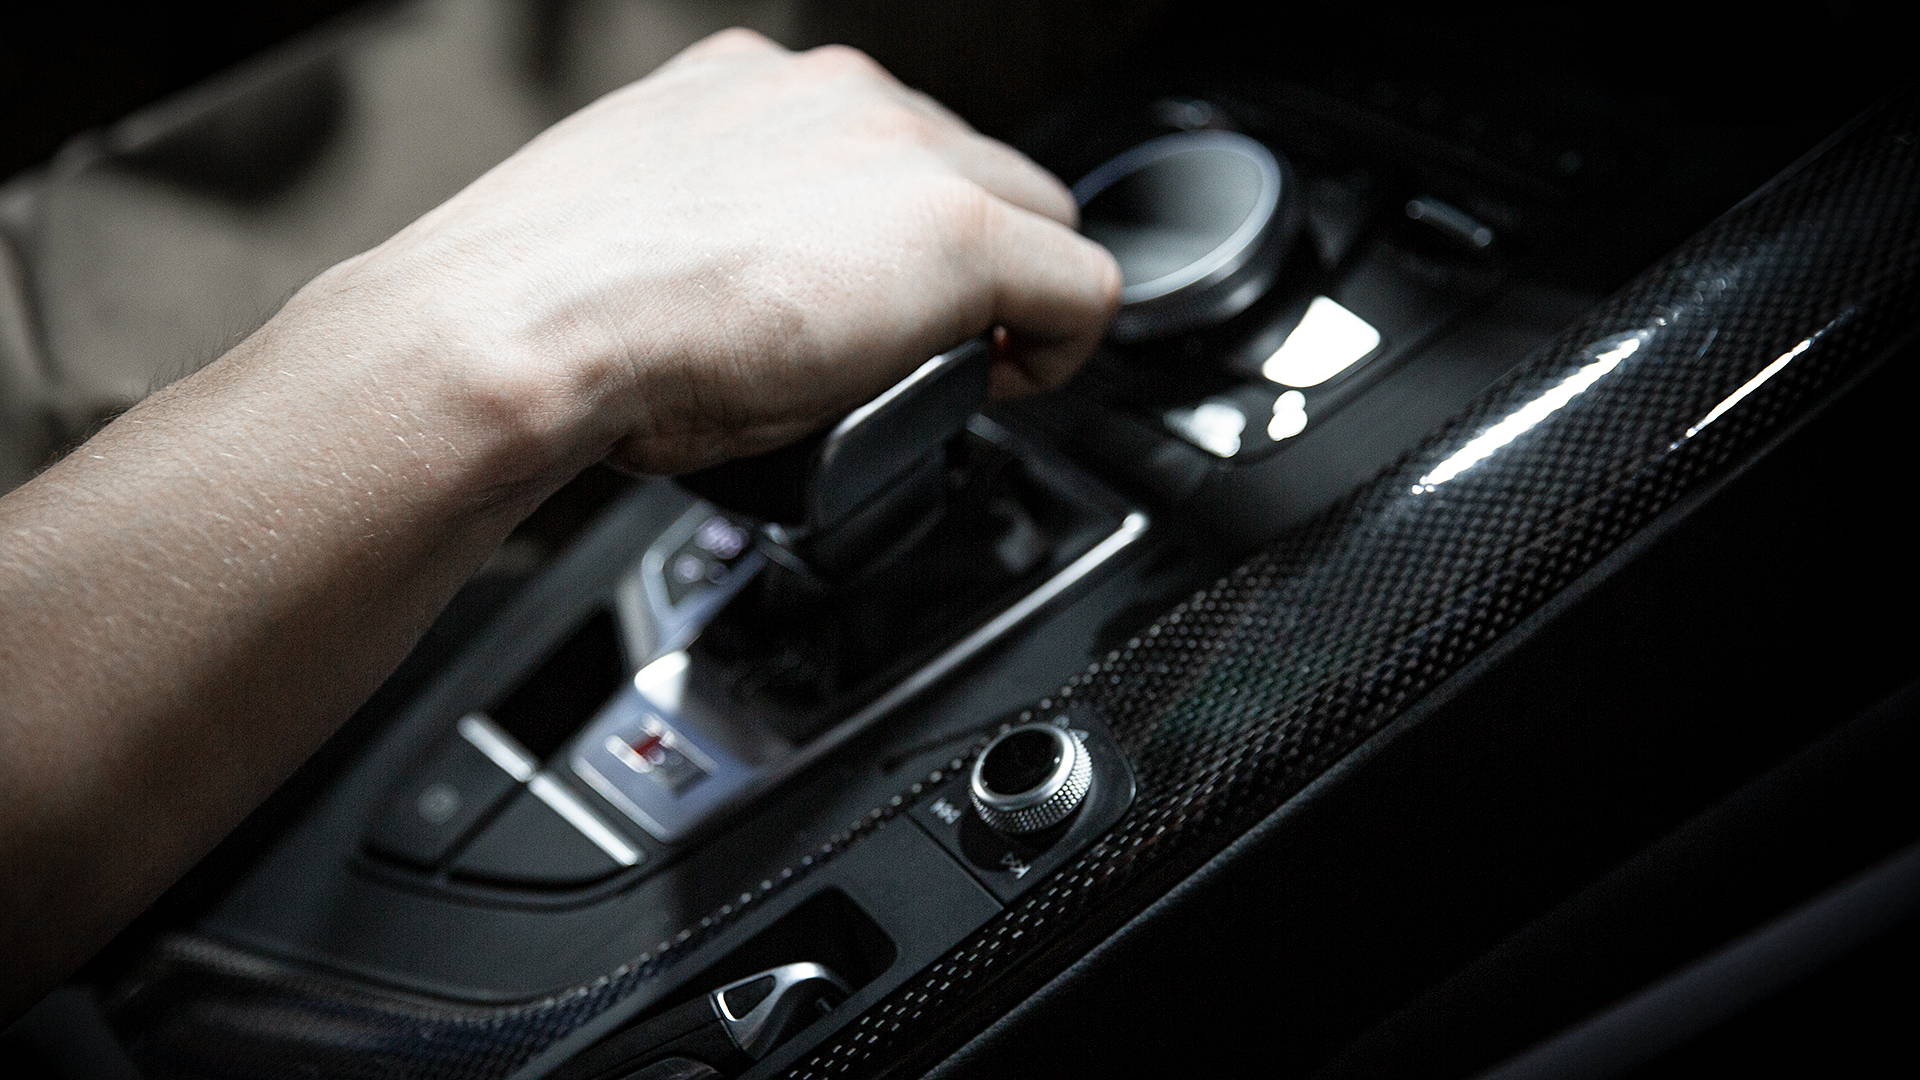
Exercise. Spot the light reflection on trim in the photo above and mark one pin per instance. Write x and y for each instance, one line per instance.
(1213, 426)
(1289, 416)
(1328, 340)
(1533, 412)
(1779, 363)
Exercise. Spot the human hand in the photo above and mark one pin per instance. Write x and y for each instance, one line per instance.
(708, 262)
(731, 252)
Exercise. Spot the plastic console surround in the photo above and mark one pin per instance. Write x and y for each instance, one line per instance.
(736, 757)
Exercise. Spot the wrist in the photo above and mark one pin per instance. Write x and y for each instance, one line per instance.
(504, 409)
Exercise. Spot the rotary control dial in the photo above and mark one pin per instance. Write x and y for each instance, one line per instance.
(1032, 777)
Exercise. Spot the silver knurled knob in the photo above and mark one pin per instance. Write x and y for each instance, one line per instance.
(1032, 777)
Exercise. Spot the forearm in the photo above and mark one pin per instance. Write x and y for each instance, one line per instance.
(194, 599)
(706, 263)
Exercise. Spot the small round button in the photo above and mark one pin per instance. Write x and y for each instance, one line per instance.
(1030, 778)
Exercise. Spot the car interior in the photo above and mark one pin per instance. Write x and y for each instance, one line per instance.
(1458, 624)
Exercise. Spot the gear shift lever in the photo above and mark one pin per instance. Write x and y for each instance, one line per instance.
(914, 534)
(1200, 222)
(835, 497)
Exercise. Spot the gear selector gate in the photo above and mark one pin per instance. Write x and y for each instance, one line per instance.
(906, 539)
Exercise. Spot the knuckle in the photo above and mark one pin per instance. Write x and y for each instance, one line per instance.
(735, 42)
(898, 123)
(731, 39)
(927, 103)
(841, 60)
(960, 210)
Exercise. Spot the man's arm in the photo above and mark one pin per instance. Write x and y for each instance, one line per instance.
(709, 262)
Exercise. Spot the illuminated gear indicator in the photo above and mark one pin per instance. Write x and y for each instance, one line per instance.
(656, 754)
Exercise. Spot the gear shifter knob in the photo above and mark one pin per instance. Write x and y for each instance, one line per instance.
(821, 481)
(1199, 222)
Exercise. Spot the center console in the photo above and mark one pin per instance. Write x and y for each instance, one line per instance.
(750, 750)
(720, 635)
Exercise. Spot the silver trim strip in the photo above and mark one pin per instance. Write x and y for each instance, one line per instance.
(485, 736)
(550, 791)
(1129, 530)
(611, 792)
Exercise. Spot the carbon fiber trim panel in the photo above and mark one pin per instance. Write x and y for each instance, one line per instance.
(1240, 697)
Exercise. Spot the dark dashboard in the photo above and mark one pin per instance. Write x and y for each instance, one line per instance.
(1455, 626)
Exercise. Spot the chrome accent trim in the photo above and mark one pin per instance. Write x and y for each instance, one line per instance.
(1051, 802)
(607, 790)
(500, 748)
(563, 802)
(1232, 275)
(888, 396)
(746, 773)
(1130, 529)
(769, 1021)
(1069, 752)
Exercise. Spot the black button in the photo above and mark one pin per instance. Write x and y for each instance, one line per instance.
(530, 844)
(438, 803)
(1020, 762)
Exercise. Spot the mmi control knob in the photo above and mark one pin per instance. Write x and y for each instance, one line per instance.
(1032, 777)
